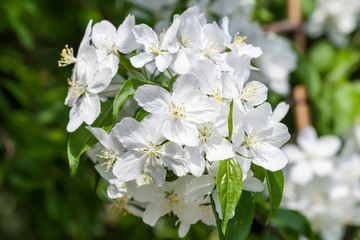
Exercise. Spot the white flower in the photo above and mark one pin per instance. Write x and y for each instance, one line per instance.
(83, 96)
(170, 198)
(337, 18)
(312, 156)
(109, 41)
(182, 110)
(147, 151)
(245, 94)
(155, 48)
(259, 140)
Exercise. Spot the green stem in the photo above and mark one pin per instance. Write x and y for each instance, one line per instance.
(116, 90)
(243, 155)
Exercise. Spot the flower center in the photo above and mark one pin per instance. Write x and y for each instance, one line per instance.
(206, 131)
(109, 44)
(67, 56)
(249, 93)
(155, 48)
(76, 88)
(210, 49)
(238, 40)
(176, 112)
(253, 140)
(152, 153)
(217, 95)
(110, 159)
(174, 202)
(119, 206)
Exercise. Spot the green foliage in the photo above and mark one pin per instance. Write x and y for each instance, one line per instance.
(275, 184)
(127, 91)
(229, 186)
(240, 225)
(81, 140)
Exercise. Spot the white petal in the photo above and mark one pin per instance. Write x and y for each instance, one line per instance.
(157, 173)
(253, 184)
(322, 167)
(280, 111)
(75, 118)
(181, 132)
(141, 59)
(129, 166)
(103, 33)
(180, 63)
(100, 81)
(197, 160)
(148, 193)
(277, 135)
(145, 36)
(307, 138)
(162, 61)
(188, 212)
(115, 191)
(328, 146)
(153, 99)
(255, 93)
(198, 187)
(90, 109)
(176, 158)
(154, 211)
(131, 134)
(183, 228)
(293, 153)
(125, 39)
(258, 118)
(301, 173)
(170, 36)
(269, 157)
(102, 136)
(218, 149)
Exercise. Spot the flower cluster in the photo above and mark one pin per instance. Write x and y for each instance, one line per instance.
(200, 107)
(322, 186)
(336, 18)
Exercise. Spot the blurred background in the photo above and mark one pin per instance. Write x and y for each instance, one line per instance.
(38, 198)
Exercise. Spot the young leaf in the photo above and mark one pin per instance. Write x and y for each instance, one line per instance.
(128, 90)
(240, 225)
(229, 185)
(81, 140)
(140, 114)
(230, 119)
(275, 184)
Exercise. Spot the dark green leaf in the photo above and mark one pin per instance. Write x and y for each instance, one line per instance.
(240, 225)
(275, 184)
(140, 114)
(81, 140)
(229, 186)
(290, 221)
(127, 90)
(259, 172)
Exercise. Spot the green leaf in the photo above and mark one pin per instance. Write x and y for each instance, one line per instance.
(81, 140)
(259, 172)
(292, 223)
(275, 184)
(140, 114)
(127, 91)
(240, 225)
(230, 119)
(229, 185)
